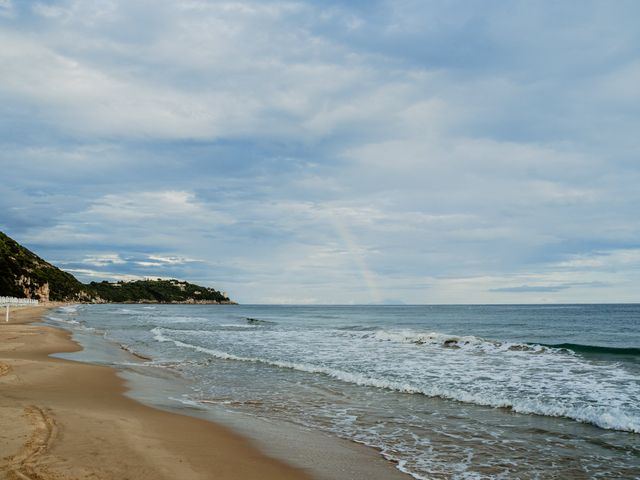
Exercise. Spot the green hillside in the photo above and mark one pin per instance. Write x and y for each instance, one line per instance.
(160, 291)
(23, 274)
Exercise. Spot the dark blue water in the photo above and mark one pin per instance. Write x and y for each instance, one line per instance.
(444, 391)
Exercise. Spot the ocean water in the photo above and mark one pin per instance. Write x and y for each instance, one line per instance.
(445, 392)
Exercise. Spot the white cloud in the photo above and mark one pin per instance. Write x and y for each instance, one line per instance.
(94, 101)
(50, 11)
(211, 41)
(6, 9)
(104, 260)
(164, 206)
(87, 274)
(149, 264)
(171, 260)
(326, 151)
(606, 260)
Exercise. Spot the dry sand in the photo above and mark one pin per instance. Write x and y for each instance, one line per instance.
(66, 420)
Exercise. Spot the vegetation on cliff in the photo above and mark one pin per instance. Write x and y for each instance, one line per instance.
(160, 291)
(23, 274)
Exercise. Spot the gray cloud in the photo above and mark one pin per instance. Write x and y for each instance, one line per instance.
(531, 288)
(336, 152)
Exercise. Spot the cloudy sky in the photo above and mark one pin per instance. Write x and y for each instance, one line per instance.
(401, 151)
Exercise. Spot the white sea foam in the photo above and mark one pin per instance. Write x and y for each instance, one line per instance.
(181, 319)
(518, 397)
(185, 401)
(448, 341)
(418, 338)
(62, 320)
(69, 309)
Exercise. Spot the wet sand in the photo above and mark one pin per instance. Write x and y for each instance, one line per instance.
(61, 419)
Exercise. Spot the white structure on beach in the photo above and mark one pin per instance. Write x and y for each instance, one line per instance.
(8, 301)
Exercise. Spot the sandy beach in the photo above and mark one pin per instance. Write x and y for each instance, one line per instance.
(66, 420)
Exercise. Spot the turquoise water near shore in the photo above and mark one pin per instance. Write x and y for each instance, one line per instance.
(530, 391)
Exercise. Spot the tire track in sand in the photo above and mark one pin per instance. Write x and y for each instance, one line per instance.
(23, 465)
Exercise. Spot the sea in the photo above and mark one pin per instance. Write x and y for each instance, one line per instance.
(442, 391)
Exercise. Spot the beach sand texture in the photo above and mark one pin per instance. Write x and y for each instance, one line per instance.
(66, 420)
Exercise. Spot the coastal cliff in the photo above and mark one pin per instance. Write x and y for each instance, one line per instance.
(24, 274)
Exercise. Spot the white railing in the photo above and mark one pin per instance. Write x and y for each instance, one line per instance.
(7, 301)
(17, 301)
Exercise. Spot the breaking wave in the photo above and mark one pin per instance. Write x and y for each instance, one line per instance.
(596, 349)
(450, 341)
(614, 417)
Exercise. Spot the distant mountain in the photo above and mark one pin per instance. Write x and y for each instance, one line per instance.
(23, 274)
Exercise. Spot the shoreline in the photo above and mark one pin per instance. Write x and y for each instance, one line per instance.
(64, 419)
(107, 422)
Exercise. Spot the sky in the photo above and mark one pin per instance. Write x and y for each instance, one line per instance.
(344, 152)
